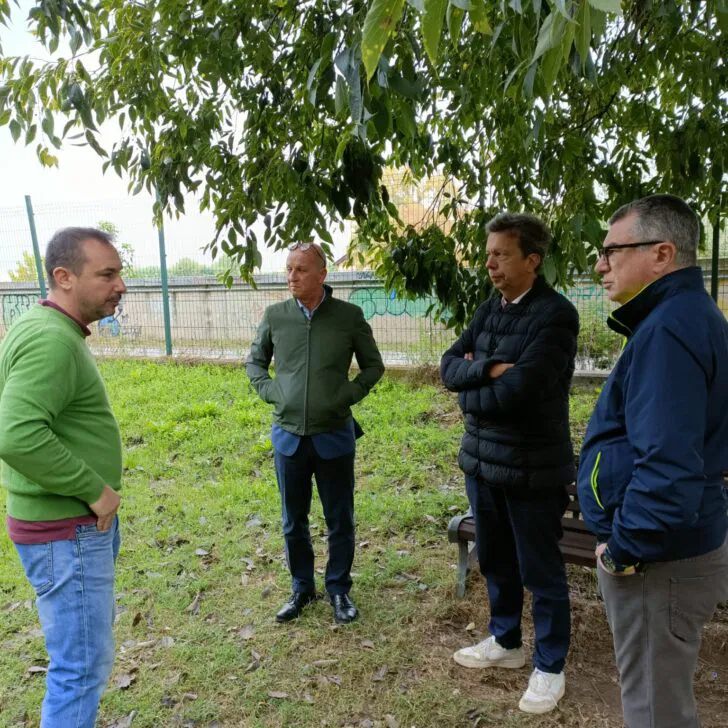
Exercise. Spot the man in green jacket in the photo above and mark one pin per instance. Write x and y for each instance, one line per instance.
(313, 337)
(61, 452)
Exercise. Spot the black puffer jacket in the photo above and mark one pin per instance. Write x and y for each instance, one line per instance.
(517, 425)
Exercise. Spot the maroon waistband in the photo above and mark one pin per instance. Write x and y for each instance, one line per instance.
(34, 532)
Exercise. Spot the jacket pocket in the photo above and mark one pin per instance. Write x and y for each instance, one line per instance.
(594, 480)
(611, 474)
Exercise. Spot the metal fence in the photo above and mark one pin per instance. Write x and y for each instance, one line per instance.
(197, 316)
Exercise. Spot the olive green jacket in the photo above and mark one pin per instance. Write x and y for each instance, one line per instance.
(312, 392)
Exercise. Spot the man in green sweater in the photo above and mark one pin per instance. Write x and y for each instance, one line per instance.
(313, 337)
(61, 452)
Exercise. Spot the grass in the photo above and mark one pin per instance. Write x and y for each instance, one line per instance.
(201, 571)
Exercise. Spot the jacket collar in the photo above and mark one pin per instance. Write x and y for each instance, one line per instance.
(625, 319)
(538, 287)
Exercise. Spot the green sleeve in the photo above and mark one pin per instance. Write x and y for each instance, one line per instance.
(371, 367)
(40, 383)
(258, 362)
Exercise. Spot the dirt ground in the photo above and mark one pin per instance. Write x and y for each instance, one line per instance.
(592, 687)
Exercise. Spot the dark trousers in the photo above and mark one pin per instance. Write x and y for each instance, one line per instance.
(335, 483)
(517, 538)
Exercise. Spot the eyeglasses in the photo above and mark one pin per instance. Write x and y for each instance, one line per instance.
(606, 252)
(307, 246)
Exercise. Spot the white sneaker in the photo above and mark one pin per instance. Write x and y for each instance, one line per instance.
(545, 689)
(489, 653)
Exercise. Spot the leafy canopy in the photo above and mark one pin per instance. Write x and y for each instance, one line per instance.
(288, 111)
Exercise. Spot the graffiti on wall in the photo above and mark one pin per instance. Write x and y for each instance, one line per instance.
(377, 302)
(15, 305)
(118, 325)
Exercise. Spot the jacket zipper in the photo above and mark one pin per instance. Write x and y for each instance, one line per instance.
(594, 476)
(308, 372)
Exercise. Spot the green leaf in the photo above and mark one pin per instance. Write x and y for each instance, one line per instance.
(607, 6)
(479, 18)
(583, 33)
(381, 19)
(549, 67)
(404, 117)
(340, 96)
(455, 17)
(432, 27)
(550, 35)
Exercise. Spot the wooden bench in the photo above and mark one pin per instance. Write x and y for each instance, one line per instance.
(577, 545)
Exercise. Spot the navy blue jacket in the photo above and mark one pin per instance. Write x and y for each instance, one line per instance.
(517, 425)
(650, 473)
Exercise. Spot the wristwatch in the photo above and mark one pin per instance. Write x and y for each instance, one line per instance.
(612, 567)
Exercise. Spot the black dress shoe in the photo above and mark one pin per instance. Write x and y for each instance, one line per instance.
(344, 609)
(294, 606)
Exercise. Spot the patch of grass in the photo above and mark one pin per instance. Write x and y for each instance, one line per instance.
(202, 571)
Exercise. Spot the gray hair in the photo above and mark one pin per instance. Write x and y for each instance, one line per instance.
(532, 233)
(65, 249)
(665, 217)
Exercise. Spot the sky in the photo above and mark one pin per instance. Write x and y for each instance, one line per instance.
(78, 193)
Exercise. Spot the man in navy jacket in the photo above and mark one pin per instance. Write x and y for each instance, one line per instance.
(650, 474)
(512, 369)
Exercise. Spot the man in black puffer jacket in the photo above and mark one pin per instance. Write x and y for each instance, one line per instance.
(512, 370)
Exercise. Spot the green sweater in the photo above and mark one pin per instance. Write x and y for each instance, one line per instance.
(59, 441)
(312, 392)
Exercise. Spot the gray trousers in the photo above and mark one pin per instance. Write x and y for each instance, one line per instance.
(657, 617)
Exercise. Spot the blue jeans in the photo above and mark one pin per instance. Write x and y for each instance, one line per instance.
(517, 538)
(335, 483)
(74, 583)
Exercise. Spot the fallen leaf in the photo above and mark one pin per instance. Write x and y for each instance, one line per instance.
(247, 632)
(470, 626)
(244, 579)
(124, 682)
(368, 644)
(324, 663)
(380, 674)
(335, 679)
(137, 618)
(430, 519)
(201, 552)
(194, 607)
(37, 669)
(277, 695)
(190, 696)
(124, 722)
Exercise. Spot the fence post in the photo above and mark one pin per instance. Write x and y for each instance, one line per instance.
(165, 283)
(36, 249)
(716, 258)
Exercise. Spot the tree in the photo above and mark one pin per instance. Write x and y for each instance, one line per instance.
(125, 250)
(288, 110)
(25, 270)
